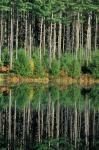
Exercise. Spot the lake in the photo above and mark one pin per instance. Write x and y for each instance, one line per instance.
(49, 117)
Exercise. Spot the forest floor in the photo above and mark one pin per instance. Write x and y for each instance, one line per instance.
(65, 80)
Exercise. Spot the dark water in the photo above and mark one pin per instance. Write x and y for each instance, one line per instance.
(49, 118)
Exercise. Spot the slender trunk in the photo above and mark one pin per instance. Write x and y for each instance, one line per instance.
(1, 36)
(11, 41)
(63, 38)
(39, 124)
(96, 31)
(28, 120)
(17, 30)
(75, 126)
(54, 41)
(77, 36)
(88, 41)
(60, 38)
(41, 33)
(24, 126)
(10, 97)
(44, 35)
(26, 29)
(68, 38)
(50, 46)
(73, 37)
(30, 42)
(52, 133)
(15, 122)
(94, 127)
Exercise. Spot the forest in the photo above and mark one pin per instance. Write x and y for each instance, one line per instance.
(49, 37)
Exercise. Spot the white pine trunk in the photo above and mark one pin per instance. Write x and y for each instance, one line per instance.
(17, 30)
(77, 36)
(41, 36)
(11, 41)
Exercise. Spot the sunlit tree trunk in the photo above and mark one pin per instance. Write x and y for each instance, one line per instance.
(88, 40)
(96, 31)
(26, 32)
(30, 48)
(54, 42)
(73, 37)
(77, 35)
(11, 40)
(17, 30)
(60, 38)
(44, 35)
(50, 46)
(41, 38)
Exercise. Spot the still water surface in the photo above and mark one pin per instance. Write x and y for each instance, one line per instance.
(37, 117)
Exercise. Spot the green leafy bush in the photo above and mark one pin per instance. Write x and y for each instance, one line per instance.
(74, 69)
(55, 67)
(39, 69)
(1, 63)
(5, 57)
(94, 65)
(71, 66)
(22, 65)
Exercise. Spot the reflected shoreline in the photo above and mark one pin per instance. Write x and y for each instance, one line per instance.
(37, 117)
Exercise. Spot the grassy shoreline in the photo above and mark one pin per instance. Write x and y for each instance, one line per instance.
(84, 79)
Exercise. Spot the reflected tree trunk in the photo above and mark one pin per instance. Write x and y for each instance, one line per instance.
(15, 122)
(39, 122)
(9, 123)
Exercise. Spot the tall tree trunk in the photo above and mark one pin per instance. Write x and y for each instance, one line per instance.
(26, 30)
(39, 123)
(96, 31)
(15, 122)
(17, 30)
(50, 46)
(75, 126)
(1, 35)
(11, 40)
(63, 38)
(77, 35)
(30, 48)
(41, 36)
(44, 35)
(68, 38)
(10, 97)
(88, 40)
(60, 37)
(54, 42)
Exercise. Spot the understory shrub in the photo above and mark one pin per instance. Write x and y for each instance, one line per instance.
(71, 66)
(39, 69)
(94, 65)
(23, 65)
(55, 67)
(5, 57)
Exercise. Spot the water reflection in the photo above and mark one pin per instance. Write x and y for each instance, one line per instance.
(49, 118)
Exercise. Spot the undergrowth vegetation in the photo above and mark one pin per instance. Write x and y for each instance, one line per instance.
(32, 67)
